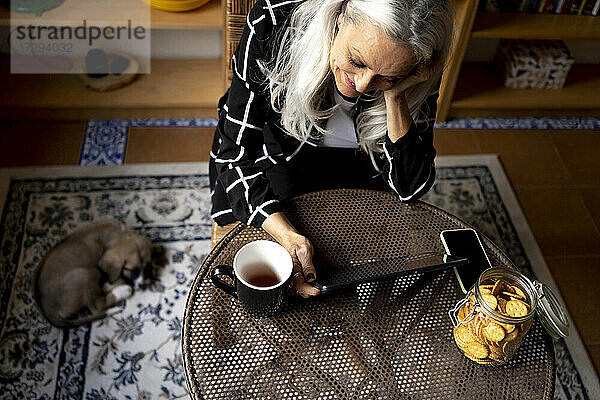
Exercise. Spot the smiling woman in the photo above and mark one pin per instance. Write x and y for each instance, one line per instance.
(327, 94)
(300, 68)
(370, 57)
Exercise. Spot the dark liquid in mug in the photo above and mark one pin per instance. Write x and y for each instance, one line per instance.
(260, 275)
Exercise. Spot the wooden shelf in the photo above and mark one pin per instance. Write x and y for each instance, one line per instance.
(465, 11)
(480, 93)
(174, 89)
(536, 26)
(207, 17)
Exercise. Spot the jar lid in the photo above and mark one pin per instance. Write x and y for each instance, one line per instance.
(551, 314)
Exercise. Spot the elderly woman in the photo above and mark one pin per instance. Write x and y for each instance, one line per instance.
(327, 94)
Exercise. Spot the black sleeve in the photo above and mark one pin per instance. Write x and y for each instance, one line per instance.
(240, 127)
(408, 163)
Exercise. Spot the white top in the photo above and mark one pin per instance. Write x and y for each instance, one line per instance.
(341, 124)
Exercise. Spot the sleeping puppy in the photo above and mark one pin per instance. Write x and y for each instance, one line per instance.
(72, 274)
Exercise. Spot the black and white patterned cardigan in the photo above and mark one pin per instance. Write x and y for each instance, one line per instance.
(249, 138)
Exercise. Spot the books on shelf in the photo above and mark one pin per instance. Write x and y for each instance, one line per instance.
(576, 7)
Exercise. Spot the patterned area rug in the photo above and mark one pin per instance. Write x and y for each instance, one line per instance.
(135, 353)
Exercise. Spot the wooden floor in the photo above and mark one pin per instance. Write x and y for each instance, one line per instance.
(556, 176)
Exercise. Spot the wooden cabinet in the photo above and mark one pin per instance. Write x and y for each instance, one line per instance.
(175, 88)
(474, 89)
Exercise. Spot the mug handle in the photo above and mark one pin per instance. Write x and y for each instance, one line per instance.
(227, 271)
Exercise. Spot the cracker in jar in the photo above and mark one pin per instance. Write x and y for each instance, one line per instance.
(511, 336)
(483, 319)
(496, 353)
(480, 334)
(472, 325)
(464, 313)
(461, 314)
(508, 295)
(463, 335)
(490, 300)
(459, 336)
(502, 305)
(476, 350)
(507, 327)
(482, 361)
(519, 293)
(497, 358)
(499, 287)
(513, 296)
(475, 330)
(494, 332)
(516, 308)
(509, 348)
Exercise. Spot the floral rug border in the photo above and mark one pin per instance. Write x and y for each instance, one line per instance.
(105, 141)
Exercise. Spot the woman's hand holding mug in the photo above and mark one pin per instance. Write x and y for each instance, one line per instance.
(299, 248)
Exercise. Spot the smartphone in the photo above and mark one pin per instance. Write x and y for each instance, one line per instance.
(466, 243)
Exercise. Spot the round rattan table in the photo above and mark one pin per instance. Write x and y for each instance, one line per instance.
(384, 340)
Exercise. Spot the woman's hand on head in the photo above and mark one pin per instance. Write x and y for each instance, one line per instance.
(398, 115)
(421, 73)
(300, 249)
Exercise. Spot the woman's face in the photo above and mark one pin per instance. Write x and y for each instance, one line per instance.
(364, 58)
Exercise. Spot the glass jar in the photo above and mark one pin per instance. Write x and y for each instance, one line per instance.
(496, 314)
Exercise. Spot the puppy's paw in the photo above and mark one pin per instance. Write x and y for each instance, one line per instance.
(108, 286)
(121, 292)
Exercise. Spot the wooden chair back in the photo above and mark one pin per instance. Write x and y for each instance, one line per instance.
(235, 20)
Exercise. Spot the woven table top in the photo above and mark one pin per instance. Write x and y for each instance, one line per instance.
(384, 340)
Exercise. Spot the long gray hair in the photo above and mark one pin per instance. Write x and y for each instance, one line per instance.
(299, 73)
